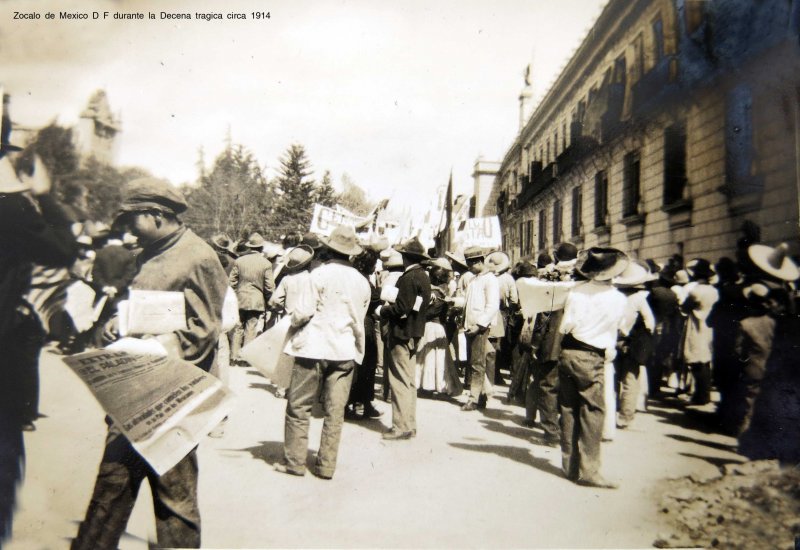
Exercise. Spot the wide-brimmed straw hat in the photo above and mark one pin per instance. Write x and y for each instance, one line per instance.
(343, 240)
(297, 258)
(414, 249)
(601, 264)
(774, 261)
(498, 262)
(255, 240)
(272, 250)
(635, 275)
(457, 258)
(443, 263)
(476, 253)
(391, 258)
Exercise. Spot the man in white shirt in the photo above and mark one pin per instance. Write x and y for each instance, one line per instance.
(481, 308)
(593, 313)
(326, 347)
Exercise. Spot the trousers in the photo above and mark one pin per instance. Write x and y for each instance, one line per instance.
(582, 412)
(482, 355)
(122, 471)
(402, 382)
(244, 331)
(308, 375)
(544, 390)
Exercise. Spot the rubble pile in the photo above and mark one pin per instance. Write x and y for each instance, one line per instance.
(743, 506)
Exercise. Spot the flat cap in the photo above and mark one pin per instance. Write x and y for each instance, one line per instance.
(144, 193)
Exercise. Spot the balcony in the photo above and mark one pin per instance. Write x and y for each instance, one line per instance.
(602, 119)
(538, 184)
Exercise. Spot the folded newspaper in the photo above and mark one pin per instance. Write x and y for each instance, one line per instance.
(152, 312)
(163, 405)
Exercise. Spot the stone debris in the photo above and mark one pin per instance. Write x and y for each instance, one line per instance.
(749, 505)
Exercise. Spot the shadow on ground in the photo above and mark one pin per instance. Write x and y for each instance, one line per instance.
(517, 454)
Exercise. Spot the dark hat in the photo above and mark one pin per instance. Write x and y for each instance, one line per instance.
(298, 257)
(543, 260)
(223, 242)
(700, 268)
(601, 264)
(343, 240)
(5, 131)
(524, 269)
(565, 252)
(413, 248)
(145, 193)
(311, 240)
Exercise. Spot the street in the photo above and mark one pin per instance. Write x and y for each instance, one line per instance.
(468, 480)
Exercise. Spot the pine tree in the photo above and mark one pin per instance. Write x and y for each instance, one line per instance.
(325, 194)
(296, 192)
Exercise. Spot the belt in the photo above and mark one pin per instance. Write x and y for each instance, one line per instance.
(570, 342)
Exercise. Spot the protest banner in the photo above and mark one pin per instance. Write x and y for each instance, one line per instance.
(265, 353)
(325, 220)
(152, 312)
(536, 296)
(484, 232)
(163, 405)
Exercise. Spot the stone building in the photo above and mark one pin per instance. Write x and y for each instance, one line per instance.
(674, 122)
(95, 134)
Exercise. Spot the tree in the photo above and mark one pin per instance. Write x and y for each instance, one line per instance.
(234, 197)
(295, 192)
(353, 197)
(325, 194)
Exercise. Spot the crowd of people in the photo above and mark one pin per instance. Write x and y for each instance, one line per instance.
(454, 326)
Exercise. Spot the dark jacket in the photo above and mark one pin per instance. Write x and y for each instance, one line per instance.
(404, 322)
(32, 231)
(114, 266)
(251, 278)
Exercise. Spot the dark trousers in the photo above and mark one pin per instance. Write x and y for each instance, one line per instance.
(702, 382)
(363, 390)
(122, 471)
(544, 390)
(403, 383)
(308, 375)
(582, 412)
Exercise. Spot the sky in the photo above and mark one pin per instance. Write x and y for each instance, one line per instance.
(395, 94)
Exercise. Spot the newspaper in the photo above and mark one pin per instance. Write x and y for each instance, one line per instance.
(536, 296)
(152, 312)
(79, 304)
(163, 405)
(265, 353)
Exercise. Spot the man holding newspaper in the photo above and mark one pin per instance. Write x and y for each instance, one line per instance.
(173, 259)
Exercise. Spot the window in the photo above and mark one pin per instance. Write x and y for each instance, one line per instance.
(542, 230)
(631, 191)
(564, 135)
(547, 161)
(529, 237)
(521, 238)
(555, 145)
(674, 163)
(577, 210)
(638, 57)
(600, 199)
(658, 40)
(557, 211)
(739, 141)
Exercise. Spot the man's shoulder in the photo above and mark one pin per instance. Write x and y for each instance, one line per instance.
(195, 250)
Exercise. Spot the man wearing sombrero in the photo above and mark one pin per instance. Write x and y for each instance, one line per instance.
(593, 313)
(406, 318)
(329, 341)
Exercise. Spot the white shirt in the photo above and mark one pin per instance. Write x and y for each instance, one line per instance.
(335, 315)
(593, 314)
(637, 305)
(482, 301)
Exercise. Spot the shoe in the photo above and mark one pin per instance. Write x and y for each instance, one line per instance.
(396, 435)
(284, 469)
(546, 442)
(598, 482)
(320, 475)
(28, 427)
(469, 406)
(482, 401)
(351, 414)
(371, 412)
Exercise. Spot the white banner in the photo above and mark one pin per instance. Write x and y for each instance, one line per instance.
(484, 232)
(536, 296)
(325, 220)
(163, 405)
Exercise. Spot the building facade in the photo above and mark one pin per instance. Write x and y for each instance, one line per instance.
(674, 123)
